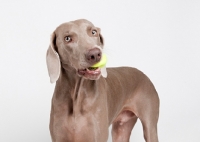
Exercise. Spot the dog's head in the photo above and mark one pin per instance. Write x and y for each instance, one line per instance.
(75, 45)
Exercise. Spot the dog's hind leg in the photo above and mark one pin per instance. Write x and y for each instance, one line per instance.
(150, 130)
(148, 114)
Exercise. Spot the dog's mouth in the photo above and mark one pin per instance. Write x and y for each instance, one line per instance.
(90, 72)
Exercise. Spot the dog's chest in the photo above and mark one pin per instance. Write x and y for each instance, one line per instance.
(79, 124)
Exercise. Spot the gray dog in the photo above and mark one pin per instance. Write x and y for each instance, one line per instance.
(84, 103)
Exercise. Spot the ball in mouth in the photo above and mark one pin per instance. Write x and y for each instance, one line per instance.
(94, 71)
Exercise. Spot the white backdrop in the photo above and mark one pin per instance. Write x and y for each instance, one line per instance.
(160, 37)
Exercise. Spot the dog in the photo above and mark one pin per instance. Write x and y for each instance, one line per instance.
(85, 103)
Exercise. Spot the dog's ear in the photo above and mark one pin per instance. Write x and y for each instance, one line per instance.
(101, 39)
(53, 60)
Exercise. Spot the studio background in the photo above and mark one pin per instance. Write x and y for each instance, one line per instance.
(159, 37)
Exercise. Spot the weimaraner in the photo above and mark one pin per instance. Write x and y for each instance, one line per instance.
(84, 103)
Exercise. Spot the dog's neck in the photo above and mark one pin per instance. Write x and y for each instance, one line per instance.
(69, 75)
(71, 90)
(74, 84)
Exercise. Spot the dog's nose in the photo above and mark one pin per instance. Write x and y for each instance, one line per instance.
(94, 55)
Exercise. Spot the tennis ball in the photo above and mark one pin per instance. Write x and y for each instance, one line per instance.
(101, 63)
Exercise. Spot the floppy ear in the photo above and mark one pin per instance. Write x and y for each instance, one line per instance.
(53, 61)
(101, 39)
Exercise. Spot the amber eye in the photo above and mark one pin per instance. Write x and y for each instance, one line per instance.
(94, 32)
(68, 38)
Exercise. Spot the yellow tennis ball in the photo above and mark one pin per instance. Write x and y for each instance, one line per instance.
(101, 63)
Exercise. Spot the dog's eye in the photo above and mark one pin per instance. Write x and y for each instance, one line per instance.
(68, 38)
(94, 32)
